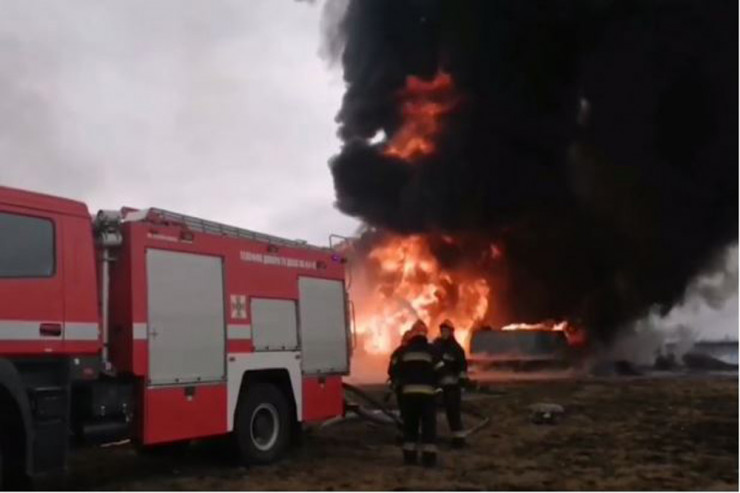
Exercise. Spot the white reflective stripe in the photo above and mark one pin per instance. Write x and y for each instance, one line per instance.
(79, 331)
(19, 330)
(139, 331)
(428, 447)
(439, 365)
(463, 374)
(448, 357)
(235, 331)
(416, 356)
(29, 330)
(409, 446)
(459, 434)
(239, 331)
(448, 380)
(417, 389)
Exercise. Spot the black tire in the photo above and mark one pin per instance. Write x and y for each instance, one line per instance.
(3, 482)
(12, 468)
(263, 425)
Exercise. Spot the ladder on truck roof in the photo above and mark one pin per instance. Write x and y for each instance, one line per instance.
(211, 227)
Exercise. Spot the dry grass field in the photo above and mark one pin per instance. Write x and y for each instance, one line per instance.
(621, 433)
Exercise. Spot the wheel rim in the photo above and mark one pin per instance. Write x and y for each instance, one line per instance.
(264, 426)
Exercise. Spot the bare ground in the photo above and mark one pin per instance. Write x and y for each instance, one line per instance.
(618, 434)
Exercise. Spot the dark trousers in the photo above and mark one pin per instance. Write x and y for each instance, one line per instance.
(452, 398)
(399, 398)
(419, 414)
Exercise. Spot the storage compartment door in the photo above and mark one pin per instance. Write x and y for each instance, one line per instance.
(186, 329)
(274, 325)
(323, 326)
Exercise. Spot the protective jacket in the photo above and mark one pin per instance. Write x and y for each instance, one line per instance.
(455, 370)
(417, 368)
(393, 366)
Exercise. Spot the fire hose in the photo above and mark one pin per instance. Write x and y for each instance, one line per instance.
(380, 414)
(374, 402)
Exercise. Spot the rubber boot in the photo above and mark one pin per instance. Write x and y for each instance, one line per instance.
(429, 459)
(410, 457)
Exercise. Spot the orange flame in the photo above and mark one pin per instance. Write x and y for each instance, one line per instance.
(399, 281)
(574, 335)
(402, 282)
(540, 326)
(424, 103)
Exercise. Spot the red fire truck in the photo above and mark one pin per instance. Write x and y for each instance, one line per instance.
(159, 328)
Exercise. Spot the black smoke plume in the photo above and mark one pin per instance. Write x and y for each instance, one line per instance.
(594, 141)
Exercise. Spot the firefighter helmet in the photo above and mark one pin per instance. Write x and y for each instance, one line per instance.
(419, 329)
(406, 336)
(447, 323)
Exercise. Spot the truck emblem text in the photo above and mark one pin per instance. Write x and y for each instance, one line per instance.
(275, 260)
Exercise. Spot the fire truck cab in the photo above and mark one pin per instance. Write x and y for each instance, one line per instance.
(159, 328)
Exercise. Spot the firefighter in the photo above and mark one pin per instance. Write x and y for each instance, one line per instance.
(417, 373)
(393, 383)
(454, 377)
(393, 367)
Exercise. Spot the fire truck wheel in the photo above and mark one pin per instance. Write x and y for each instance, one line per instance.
(12, 476)
(2, 470)
(262, 426)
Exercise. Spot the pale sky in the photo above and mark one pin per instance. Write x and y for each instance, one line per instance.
(220, 109)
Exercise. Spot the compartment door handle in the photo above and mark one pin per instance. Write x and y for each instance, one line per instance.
(50, 329)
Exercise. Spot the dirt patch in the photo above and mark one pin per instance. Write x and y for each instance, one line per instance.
(620, 434)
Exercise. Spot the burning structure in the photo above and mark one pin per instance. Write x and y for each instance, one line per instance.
(518, 162)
